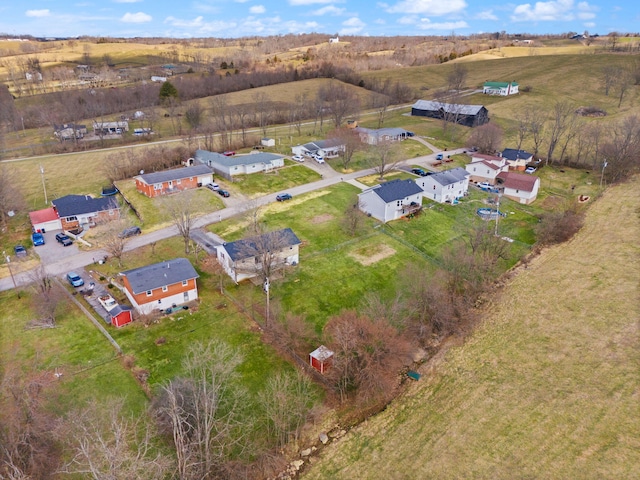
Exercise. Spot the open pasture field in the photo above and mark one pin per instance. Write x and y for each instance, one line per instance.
(546, 388)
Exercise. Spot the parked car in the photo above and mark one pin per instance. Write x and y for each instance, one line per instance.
(283, 196)
(419, 171)
(224, 193)
(410, 134)
(298, 158)
(213, 186)
(20, 251)
(484, 185)
(130, 232)
(229, 153)
(530, 170)
(318, 158)
(439, 156)
(74, 279)
(37, 239)
(63, 239)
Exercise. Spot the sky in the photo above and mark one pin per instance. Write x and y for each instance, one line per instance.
(240, 18)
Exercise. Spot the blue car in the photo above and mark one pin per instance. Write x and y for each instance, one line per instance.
(74, 279)
(37, 239)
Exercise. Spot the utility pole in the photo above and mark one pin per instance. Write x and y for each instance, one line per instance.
(604, 165)
(266, 289)
(44, 187)
(8, 258)
(497, 215)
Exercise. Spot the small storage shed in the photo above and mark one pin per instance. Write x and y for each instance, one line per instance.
(268, 142)
(121, 315)
(321, 358)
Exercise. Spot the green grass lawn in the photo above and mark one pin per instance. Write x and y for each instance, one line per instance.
(258, 184)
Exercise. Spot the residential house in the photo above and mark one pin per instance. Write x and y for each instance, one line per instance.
(374, 136)
(231, 166)
(519, 187)
(175, 180)
(500, 88)
(110, 128)
(45, 220)
(446, 186)
(485, 168)
(77, 212)
(517, 159)
(242, 259)
(161, 285)
(468, 115)
(69, 131)
(391, 200)
(326, 148)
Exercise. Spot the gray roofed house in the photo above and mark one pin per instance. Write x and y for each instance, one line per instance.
(173, 180)
(468, 115)
(161, 285)
(391, 200)
(331, 147)
(239, 258)
(446, 186)
(373, 136)
(240, 164)
(77, 212)
(174, 174)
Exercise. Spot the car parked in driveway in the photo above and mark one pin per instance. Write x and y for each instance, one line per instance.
(485, 185)
(530, 170)
(419, 171)
(298, 158)
(20, 251)
(439, 156)
(318, 158)
(130, 232)
(213, 187)
(63, 239)
(283, 196)
(74, 279)
(37, 238)
(224, 193)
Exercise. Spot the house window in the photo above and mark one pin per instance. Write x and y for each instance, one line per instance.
(111, 212)
(434, 187)
(165, 288)
(170, 183)
(179, 181)
(157, 186)
(184, 283)
(148, 293)
(191, 179)
(398, 203)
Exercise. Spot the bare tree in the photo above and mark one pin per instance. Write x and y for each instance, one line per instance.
(522, 126)
(382, 158)
(487, 137)
(562, 111)
(536, 127)
(262, 111)
(201, 412)
(340, 100)
(113, 240)
(47, 296)
(457, 77)
(193, 115)
(286, 402)
(351, 141)
(353, 217)
(623, 82)
(609, 74)
(621, 151)
(107, 444)
(182, 208)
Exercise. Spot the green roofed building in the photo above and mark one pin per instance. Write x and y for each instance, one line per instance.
(500, 88)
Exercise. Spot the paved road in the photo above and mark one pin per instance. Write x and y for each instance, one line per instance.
(61, 265)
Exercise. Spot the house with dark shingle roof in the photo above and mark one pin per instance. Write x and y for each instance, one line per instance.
(519, 187)
(242, 259)
(82, 211)
(517, 159)
(173, 180)
(161, 285)
(391, 200)
(468, 115)
(445, 186)
(233, 165)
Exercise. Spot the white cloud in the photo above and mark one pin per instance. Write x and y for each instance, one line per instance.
(139, 17)
(554, 10)
(430, 7)
(308, 2)
(426, 24)
(352, 26)
(178, 22)
(257, 9)
(38, 13)
(329, 10)
(408, 20)
(590, 24)
(487, 15)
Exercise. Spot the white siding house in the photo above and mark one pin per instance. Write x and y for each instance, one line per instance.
(500, 88)
(485, 168)
(519, 187)
(326, 148)
(228, 167)
(445, 186)
(391, 200)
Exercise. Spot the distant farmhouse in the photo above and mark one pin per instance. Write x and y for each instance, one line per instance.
(500, 88)
(110, 128)
(467, 115)
(69, 131)
(374, 136)
(175, 180)
(228, 167)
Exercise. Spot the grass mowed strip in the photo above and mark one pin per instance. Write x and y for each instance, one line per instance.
(546, 388)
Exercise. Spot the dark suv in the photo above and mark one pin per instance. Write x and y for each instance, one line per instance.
(130, 232)
(63, 239)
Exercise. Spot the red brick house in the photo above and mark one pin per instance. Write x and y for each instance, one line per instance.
(161, 285)
(171, 181)
(81, 211)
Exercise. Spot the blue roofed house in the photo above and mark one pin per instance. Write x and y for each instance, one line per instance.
(161, 285)
(229, 166)
(517, 159)
(243, 259)
(445, 186)
(391, 200)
